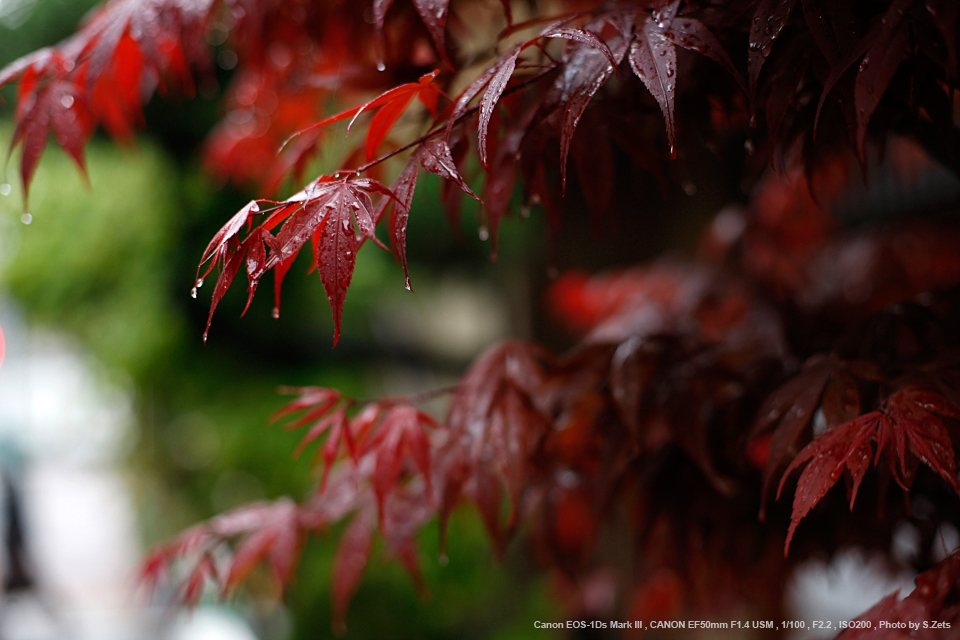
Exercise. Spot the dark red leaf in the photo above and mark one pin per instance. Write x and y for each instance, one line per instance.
(584, 37)
(654, 60)
(768, 21)
(229, 272)
(500, 75)
(880, 63)
(585, 69)
(434, 15)
(353, 553)
(403, 187)
(832, 26)
(435, 157)
(693, 35)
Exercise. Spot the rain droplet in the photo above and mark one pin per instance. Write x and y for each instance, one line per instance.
(669, 72)
(199, 282)
(193, 292)
(275, 313)
(26, 218)
(669, 87)
(381, 66)
(525, 212)
(444, 560)
(66, 101)
(406, 285)
(753, 121)
(689, 188)
(673, 152)
(346, 224)
(5, 189)
(484, 233)
(748, 147)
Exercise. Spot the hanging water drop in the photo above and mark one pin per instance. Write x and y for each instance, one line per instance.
(525, 211)
(406, 285)
(443, 560)
(199, 282)
(673, 152)
(381, 66)
(26, 218)
(193, 292)
(275, 313)
(66, 101)
(484, 233)
(5, 188)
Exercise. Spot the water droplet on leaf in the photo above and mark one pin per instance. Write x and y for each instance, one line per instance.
(66, 101)
(5, 189)
(26, 218)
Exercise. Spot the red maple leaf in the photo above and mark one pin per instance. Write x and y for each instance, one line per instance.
(906, 425)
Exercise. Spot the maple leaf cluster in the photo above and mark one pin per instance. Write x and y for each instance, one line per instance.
(640, 465)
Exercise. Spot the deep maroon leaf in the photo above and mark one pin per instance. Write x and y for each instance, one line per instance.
(403, 187)
(337, 253)
(880, 63)
(582, 36)
(841, 400)
(229, 272)
(584, 71)
(435, 157)
(793, 405)
(595, 163)
(838, 69)
(768, 21)
(946, 18)
(693, 35)
(502, 72)
(654, 60)
(785, 80)
(832, 25)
